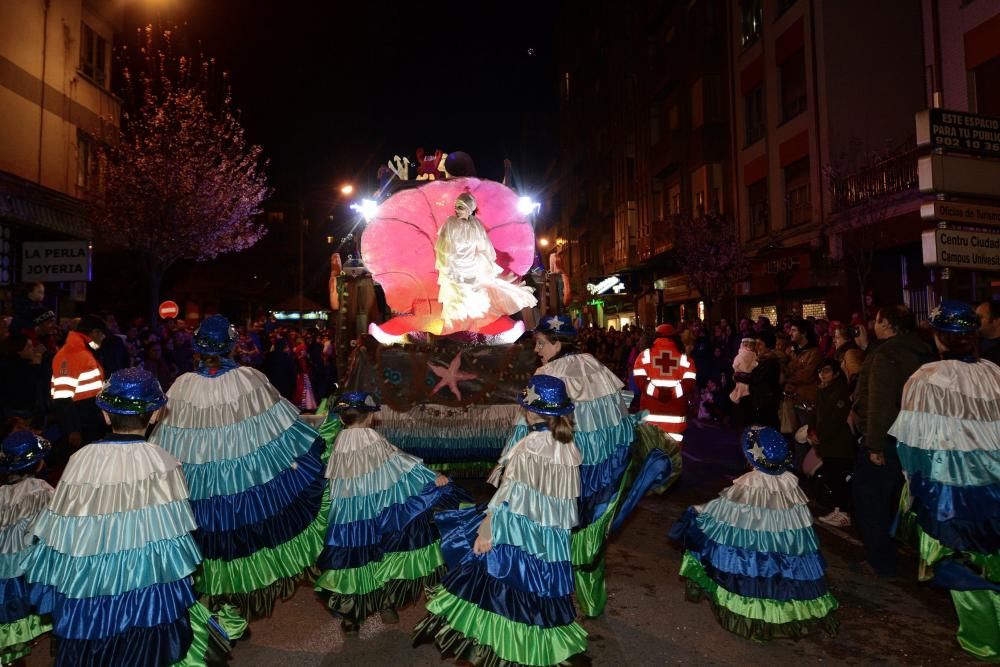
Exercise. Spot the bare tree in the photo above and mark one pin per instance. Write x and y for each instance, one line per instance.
(865, 185)
(710, 254)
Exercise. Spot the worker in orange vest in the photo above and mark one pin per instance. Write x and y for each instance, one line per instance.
(665, 376)
(77, 379)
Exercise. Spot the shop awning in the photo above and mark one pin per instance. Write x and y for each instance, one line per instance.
(32, 205)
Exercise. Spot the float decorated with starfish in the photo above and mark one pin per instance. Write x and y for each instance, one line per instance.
(449, 252)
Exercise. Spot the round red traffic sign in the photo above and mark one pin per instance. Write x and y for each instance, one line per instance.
(169, 309)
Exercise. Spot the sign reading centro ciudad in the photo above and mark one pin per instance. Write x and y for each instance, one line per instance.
(961, 249)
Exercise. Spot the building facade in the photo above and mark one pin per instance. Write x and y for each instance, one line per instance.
(56, 104)
(795, 118)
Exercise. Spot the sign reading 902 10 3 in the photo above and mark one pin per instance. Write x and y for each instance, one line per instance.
(959, 131)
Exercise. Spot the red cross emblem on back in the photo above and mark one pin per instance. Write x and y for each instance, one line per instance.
(665, 362)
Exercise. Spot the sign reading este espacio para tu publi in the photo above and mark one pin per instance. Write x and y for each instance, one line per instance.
(959, 131)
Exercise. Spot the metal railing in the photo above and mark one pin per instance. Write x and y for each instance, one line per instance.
(893, 175)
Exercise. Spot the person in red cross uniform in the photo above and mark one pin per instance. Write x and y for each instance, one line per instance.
(665, 378)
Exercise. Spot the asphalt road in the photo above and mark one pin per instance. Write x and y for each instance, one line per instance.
(648, 621)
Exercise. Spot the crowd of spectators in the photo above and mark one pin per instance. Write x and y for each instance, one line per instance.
(833, 387)
(300, 362)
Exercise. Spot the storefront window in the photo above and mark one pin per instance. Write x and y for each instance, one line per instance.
(817, 310)
(770, 312)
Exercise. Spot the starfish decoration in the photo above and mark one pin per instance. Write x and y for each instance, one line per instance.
(756, 452)
(451, 376)
(554, 323)
(530, 395)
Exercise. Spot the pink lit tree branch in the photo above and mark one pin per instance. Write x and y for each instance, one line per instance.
(180, 181)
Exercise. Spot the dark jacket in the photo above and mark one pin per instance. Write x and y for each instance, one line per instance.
(990, 350)
(112, 355)
(829, 421)
(879, 391)
(765, 390)
(281, 371)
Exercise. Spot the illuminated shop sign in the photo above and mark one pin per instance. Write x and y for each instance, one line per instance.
(295, 315)
(609, 285)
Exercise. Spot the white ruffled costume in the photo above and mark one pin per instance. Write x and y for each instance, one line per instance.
(745, 362)
(20, 503)
(471, 290)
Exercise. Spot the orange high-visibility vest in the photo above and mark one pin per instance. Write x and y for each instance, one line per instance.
(663, 375)
(75, 372)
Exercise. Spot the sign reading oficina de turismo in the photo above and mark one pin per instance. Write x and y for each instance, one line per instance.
(55, 261)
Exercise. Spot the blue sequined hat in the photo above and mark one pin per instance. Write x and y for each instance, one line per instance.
(132, 391)
(955, 317)
(546, 395)
(356, 400)
(215, 336)
(22, 450)
(766, 450)
(560, 325)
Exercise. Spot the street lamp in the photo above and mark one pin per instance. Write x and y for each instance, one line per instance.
(543, 242)
(368, 208)
(527, 206)
(346, 189)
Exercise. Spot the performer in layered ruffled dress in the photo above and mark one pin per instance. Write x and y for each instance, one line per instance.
(114, 555)
(382, 548)
(472, 291)
(507, 598)
(22, 498)
(609, 440)
(948, 442)
(255, 471)
(752, 552)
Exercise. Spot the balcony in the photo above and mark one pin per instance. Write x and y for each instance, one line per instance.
(659, 240)
(891, 176)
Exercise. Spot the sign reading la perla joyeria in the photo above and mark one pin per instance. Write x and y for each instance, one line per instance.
(55, 261)
(961, 249)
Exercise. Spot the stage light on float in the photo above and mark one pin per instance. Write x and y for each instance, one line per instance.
(368, 208)
(527, 206)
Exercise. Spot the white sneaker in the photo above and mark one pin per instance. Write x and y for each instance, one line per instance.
(836, 518)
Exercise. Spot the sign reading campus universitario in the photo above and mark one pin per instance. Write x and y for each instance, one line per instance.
(960, 249)
(55, 261)
(959, 131)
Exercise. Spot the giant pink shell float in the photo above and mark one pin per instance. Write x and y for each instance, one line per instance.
(398, 243)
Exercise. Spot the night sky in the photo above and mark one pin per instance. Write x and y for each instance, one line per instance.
(331, 90)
